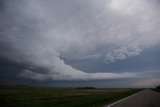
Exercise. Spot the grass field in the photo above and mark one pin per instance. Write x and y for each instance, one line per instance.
(60, 97)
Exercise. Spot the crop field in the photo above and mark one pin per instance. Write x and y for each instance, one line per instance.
(60, 97)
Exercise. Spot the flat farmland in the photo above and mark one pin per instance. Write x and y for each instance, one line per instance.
(60, 97)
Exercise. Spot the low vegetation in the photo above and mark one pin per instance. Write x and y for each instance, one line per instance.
(21, 96)
(157, 89)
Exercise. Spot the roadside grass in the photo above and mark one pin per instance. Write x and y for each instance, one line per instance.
(60, 97)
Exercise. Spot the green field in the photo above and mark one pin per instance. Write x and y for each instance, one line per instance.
(60, 97)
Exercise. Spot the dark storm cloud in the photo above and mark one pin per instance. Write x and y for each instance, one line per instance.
(40, 34)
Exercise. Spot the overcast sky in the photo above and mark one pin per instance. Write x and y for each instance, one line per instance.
(101, 43)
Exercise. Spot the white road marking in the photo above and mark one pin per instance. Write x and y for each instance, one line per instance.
(110, 105)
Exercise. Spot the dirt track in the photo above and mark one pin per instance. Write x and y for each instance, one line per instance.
(146, 98)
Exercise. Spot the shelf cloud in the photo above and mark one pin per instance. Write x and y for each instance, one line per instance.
(41, 33)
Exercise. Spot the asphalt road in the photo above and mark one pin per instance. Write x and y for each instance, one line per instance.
(145, 98)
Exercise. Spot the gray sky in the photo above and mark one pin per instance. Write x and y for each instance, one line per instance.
(104, 43)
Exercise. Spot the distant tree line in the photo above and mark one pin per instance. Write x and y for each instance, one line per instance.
(158, 87)
(20, 86)
(85, 88)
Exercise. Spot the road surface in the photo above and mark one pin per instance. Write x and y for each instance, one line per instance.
(145, 98)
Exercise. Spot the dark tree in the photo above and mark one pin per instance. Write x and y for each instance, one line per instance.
(158, 87)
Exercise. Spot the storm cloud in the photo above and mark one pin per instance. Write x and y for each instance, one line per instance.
(41, 34)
